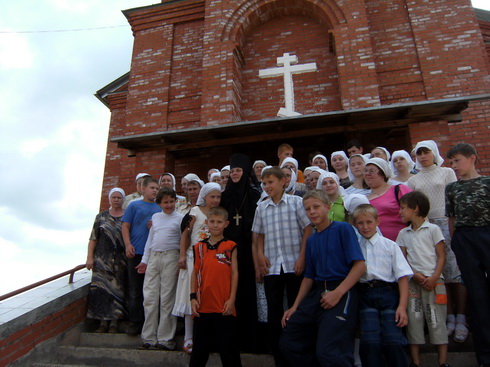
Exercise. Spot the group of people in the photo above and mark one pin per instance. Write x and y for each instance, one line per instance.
(273, 258)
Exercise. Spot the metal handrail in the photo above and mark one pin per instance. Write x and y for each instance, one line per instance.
(42, 282)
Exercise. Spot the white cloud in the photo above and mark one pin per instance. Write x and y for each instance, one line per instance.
(15, 52)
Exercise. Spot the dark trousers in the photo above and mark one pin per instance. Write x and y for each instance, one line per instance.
(472, 248)
(136, 312)
(379, 333)
(274, 286)
(214, 332)
(315, 336)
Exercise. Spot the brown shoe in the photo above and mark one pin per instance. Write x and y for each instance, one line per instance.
(101, 329)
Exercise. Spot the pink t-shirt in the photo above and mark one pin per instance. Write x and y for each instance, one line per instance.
(389, 211)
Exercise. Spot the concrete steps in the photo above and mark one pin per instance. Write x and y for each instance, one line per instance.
(120, 350)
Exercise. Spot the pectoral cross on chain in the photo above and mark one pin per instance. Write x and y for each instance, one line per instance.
(237, 218)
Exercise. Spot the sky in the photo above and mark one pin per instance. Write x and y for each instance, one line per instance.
(53, 130)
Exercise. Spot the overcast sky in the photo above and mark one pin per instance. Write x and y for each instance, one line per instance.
(53, 130)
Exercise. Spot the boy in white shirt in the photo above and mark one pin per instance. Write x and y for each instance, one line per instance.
(423, 245)
(159, 262)
(383, 294)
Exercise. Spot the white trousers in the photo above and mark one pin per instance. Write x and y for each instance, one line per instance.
(159, 298)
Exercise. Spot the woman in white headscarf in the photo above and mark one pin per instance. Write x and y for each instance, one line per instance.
(329, 183)
(291, 163)
(168, 180)
(340, 164)
(381, 152)
(320, 161)
(432, 180)
(401, 165)
(106, 258)
(357, 162)
(385, 197)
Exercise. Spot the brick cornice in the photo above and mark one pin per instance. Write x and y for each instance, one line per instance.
(165, 13)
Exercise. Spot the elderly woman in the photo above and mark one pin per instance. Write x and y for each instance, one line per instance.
(106, 258)
(385, 197)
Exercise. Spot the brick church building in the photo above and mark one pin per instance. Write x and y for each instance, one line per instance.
(210, 78)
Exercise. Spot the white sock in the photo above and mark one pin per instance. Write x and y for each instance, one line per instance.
(461, 319)
(189, 325)
(451, 319)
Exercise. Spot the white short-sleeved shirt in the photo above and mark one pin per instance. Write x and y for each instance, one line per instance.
(283, 226)
(384, 260)
(421, 247)
(164, 234)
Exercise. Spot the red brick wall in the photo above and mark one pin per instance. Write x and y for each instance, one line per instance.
(23, 341)
(196, 62)
(314, 91)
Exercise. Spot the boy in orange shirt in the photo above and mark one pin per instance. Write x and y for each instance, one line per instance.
(214, 283)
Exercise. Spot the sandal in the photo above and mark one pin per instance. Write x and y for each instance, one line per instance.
(460, 333)
(188, 346)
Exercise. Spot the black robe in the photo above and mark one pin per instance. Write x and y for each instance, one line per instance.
(241, 198)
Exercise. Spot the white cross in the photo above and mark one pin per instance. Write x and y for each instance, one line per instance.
(285, 68)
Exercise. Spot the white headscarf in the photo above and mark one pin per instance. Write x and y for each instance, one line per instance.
(322, 157)
(388, 155)
(140, 175)
(292, 184)
(382, 165)
(171, 176)
(404, 154)
(264, 169)
(259, 161)
(215, 174)
(342, 154)
(225, 168)
(117, 189)
(192, 177)
(352, 201)
(319, 184)
(290, 160)
(432, 146)
(317, 169)
(364, 158)
(205, 190)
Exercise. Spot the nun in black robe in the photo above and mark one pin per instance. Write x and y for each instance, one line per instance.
(240, 200)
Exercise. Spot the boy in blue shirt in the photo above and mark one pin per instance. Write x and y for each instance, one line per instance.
(320, 326)
(135, 233)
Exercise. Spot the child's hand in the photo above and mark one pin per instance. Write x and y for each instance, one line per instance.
(90, 263)
(195, 307)
(287, 315)
(264, 264)
(182, 264)
(149, 224)
(141, 268)
(401, 317)
(228, 308)
(419, 278)
(299, 265)
(429, 283)
(330, 299)
(130, 251)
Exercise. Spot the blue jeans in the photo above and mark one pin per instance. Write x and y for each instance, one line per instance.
(379, 333)
(315, 336)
